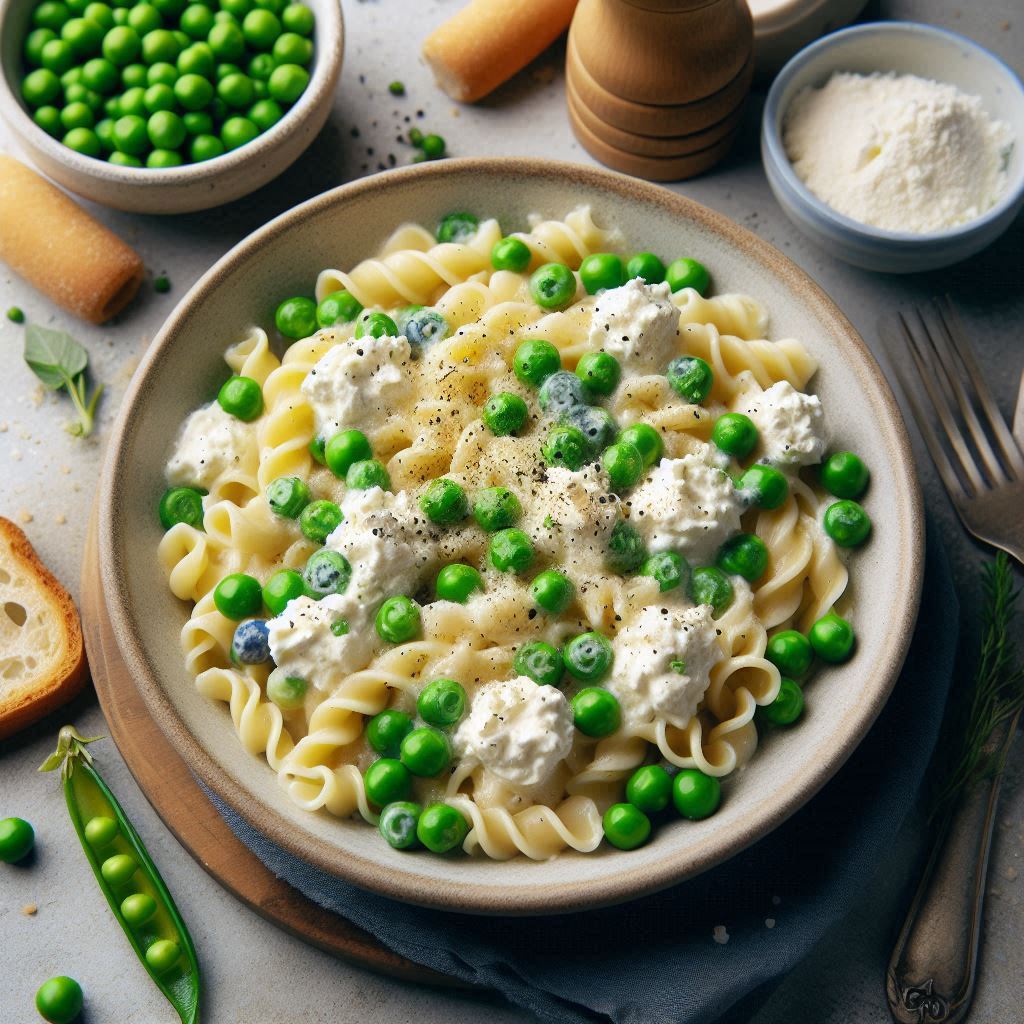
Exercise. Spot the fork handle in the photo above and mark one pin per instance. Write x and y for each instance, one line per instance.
(931, 974)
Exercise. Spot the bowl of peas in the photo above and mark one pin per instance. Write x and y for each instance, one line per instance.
(167, 106)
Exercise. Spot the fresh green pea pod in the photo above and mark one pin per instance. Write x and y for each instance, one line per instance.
(111, 841)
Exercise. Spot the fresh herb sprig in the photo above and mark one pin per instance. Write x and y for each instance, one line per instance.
(997, 693)
(61, 362)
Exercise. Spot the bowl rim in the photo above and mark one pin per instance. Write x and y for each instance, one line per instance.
(327, 60)
(623, 882)
(774, 149)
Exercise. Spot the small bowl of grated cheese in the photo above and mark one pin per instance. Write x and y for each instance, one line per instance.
(896, 146)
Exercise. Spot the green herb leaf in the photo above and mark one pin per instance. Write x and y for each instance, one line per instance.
(54, 356)
(678, 665)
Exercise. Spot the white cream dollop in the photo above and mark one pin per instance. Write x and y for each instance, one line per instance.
(211, 442)
(688, 505)
(357, 383)
(518, 730)
(791, 424)
(638, 324)
(303, 643)
(663, 662)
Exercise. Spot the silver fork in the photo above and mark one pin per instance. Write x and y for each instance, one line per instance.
(932, 970)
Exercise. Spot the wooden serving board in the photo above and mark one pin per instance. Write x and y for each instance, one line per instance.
(185, 809)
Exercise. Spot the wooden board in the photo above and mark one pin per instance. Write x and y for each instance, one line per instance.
(185, 809)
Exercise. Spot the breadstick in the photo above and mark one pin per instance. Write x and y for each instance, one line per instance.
(488, 41)
(55, 245)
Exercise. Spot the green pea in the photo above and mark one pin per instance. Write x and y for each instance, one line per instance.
(17, 837)
(241, 397)
(345, 449)
(397, 824)
(764, 486)
(193, 92)
(552, 591)
(650, 789)
(600, 271)
(456, 582)
(626, 827)
(123, 159)
(291, 48)
(118, 869)
(59, 1000)
(236, 91)
(101, 14)
(76, 115)
(386, 781)
(85, 36)
(444, 502)
(138, 908)
(160, 45)
(668, 568)
(197, 59)
(239, 8)
(227, 41)
(133, 104)
(540, 662)
(647, 266)
(205, 147)
(734, 434)
(237, 131)
(319, 519)
(265, 114)
(16, 315)
(441, 828)
(84, 141)
(695, 794)
(196, 21)
(646, 440)
(287, 496)
(600, 371)
(337, 308)
(588, 657)
(847, 523)
(57, 56)
(296, 317)
(160, 98)
(832, 638)
(510, 551)
(385, 731)
(287, 82)
(496, 508)
(284, 586)
(626, 549)
(50, 14)
(457, 227)
(130, 135)
(743, 555)
(40, 87)
(566, 447)
(101, 831)
(441, 702)
(596, 712)
(238, 596)
(425, 752)
(597, 426)
(161, 285)
(433, 147)
(161, 73)
(688, 273)
(144, 18)
(790, 652)
(326, 572)
(505, 414)
(535, 360)
(298, 18)
(34, 43)
(260, 69)
(164, 158)
(162, 955)
(48, 118)
(711, 586)
(367, 473)
(510, 254)
(376, 325)
(398, 620)
(691, 378)
(553, 286)
(166, 129)
(133, 76)
(845, 475)
(624, 465)
(100, 74)
(787, 707)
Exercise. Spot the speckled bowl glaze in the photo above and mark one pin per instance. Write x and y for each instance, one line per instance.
(192, 186)
(183, 368)
(906, 48)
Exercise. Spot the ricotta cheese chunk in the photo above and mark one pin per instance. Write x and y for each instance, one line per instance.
(638, 324)
(307, 642)
(791, 424)
(518, 730)
(211, 443)
(688, 505)
(357, 383)
(663, 663)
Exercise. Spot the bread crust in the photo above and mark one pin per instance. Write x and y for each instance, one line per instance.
(67, 679)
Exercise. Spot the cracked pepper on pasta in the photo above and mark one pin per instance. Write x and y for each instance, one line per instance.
(509, 544)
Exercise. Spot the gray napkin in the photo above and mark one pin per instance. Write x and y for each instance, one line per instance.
(689, 954)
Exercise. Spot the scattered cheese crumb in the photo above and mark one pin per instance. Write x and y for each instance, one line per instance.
(30, 909)
(25, 516)
(65, 470)
(769, 922)
(1011, 873)
(60, 519)
(720, 935)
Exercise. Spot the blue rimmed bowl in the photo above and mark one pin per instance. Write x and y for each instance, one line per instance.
(904, 48)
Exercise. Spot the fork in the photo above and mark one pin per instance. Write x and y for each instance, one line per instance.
(931, 974)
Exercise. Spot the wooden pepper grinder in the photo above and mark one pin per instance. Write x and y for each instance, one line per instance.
(655, 88)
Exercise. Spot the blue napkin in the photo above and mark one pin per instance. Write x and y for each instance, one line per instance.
(657, 959)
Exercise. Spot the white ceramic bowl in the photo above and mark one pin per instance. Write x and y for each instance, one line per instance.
(183, 368)
(192, 186)
(906, 48)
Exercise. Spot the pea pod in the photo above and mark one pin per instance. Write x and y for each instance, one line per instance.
(123, 869)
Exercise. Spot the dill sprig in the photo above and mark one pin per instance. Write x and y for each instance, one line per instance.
(997, 694)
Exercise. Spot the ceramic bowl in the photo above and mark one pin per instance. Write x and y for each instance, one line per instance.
(192, 186)
(912, 49)
(183, 368)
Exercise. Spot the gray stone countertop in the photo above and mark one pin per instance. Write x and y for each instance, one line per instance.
(253, 972)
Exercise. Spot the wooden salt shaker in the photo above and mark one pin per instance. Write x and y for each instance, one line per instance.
(655, 87)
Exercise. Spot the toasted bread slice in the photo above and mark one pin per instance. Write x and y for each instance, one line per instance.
(42, 657)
